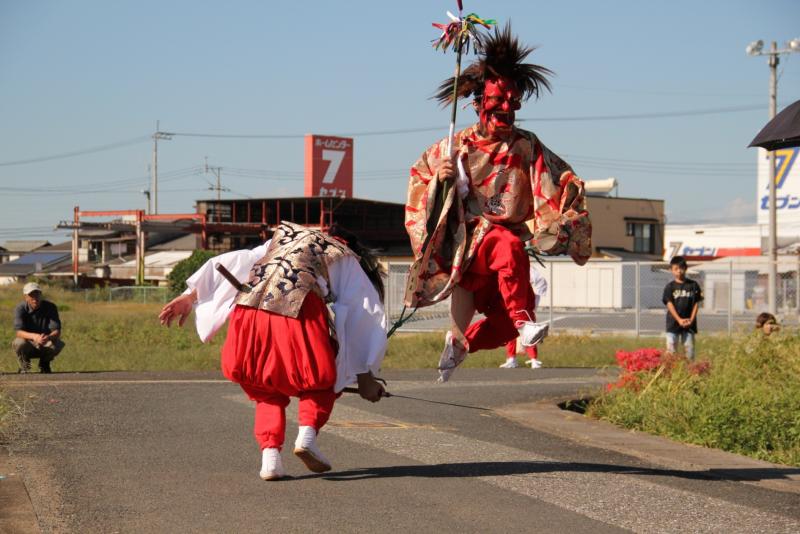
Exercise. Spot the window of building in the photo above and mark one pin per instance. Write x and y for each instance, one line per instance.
(644, 236)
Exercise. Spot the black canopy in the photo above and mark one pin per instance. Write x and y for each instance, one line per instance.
(781, 132)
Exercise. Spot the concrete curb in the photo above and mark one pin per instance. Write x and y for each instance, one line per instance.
(16, 509)
(548, 417)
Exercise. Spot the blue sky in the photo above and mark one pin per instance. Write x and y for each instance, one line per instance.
(81, 74)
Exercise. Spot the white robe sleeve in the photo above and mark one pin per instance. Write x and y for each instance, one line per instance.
(214, 293)
(539, 283)
(360, 322)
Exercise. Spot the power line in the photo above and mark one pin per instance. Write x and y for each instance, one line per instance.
(651, 92)
(652, 115)
(651, 170)
(399, 131)
(369, 133)
(657, 162)
(98, 187)
(91, 150)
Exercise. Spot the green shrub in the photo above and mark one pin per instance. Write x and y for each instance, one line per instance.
(184, 269)
(749, 402)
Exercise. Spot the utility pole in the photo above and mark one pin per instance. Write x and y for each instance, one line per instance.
(146, 193)
(756, 49)
(156, 136)
(216, 171)
(76, 216)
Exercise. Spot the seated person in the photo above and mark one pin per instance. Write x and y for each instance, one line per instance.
(767, 323)
(38, 330)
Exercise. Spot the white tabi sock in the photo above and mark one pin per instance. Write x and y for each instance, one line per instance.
(305, 448)
(531, 333)
(452, 356)
(511, 363)
(271, 464)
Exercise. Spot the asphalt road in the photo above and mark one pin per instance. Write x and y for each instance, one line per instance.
(147, 452)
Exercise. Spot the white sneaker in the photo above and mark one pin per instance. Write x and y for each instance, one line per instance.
(535, 364)
(451, 357)
(305, 448)
(511, 363)
(271, 465)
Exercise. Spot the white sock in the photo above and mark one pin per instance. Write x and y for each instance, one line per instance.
(306, 448)
(271, 464)
(306, 437)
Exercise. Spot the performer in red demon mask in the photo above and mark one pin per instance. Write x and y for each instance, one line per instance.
(508, 189)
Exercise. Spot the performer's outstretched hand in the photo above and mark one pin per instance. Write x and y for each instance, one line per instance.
(369, 388)
(447, 171)
(180, 307)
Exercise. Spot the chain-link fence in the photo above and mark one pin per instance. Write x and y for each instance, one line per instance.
(606, 296)
(143, 294)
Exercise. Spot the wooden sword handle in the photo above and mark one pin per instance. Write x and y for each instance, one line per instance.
(232, 279)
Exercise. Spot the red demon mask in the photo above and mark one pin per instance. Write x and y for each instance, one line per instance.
(501, 99)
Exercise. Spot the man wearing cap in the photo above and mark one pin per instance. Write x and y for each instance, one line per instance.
(38, 330)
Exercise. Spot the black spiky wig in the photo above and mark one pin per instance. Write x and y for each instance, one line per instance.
(501, 54)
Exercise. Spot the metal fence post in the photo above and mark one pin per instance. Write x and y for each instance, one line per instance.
(389, 290)
(797, 284)
(730, 297)
(638, 298)
(550, 290)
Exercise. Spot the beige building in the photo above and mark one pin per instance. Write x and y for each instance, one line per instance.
(627, 226)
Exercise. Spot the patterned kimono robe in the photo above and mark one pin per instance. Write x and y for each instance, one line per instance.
(517, 183)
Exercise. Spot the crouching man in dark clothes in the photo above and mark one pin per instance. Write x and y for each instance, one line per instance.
(38, 330)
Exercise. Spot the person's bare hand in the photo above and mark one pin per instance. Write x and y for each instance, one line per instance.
(369, 388)
(40, 339)
(178, 308)
(446, 171)
(686, 322)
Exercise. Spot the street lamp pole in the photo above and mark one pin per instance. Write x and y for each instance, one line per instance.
(772, 272)
(756, 49)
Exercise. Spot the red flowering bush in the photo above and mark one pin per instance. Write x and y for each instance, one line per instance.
(639, 360)
(638, 364)
(746, 400)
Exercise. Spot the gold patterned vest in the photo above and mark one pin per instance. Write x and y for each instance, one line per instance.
(295, 259)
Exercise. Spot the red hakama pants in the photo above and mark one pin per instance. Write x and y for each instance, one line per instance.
(274, 357)
(511, 350)
(499, 278)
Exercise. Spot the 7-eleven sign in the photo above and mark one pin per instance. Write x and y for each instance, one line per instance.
(329, 166)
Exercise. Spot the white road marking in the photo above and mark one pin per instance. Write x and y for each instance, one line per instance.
(39, 383)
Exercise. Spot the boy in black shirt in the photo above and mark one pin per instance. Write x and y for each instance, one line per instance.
(682, 298)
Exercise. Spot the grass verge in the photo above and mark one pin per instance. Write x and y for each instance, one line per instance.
(748, 403)
(421, 351)
(126, 336)
(112, 336)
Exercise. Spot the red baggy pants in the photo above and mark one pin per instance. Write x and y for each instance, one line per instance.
(273, 357)
(511, 350)
(499, 278)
